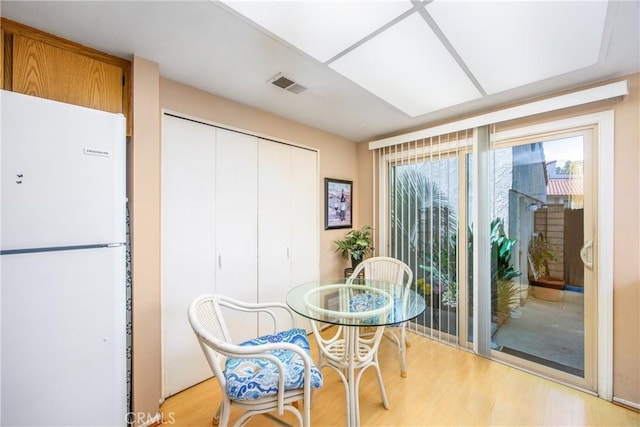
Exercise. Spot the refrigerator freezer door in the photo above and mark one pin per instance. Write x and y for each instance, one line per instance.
(63, 174)
(63, 338)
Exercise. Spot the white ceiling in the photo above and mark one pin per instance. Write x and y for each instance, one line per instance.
(496, 53)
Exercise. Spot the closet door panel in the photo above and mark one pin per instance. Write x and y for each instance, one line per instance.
(304, 244)
(237, 224)
(188, 245)
(274, 204)
(305, 259)
(288, 226)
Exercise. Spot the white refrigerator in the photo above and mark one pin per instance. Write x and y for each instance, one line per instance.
(62, 264)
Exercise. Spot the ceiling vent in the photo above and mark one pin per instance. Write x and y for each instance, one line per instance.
(287, 84)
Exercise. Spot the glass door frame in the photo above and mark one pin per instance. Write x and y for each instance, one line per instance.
(589, 381)
(602, 124)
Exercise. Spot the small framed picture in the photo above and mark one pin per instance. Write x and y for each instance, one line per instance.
(337, 202)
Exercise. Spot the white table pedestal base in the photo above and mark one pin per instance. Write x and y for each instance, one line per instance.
(350, 355)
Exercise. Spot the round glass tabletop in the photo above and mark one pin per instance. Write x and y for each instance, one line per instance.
(355, 302)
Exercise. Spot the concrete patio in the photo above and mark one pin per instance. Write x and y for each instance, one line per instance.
(550, 333)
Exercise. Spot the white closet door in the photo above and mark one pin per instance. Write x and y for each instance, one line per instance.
(305, 258)
(237, 225)
(188, 245)
(288, 227)
(274, 172)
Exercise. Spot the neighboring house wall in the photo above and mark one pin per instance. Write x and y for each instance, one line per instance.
(528, 171)
(502, 179)
(529, 183)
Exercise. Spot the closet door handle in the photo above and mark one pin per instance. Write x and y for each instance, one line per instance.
(587, 255)
(220, 261)
(288, 254)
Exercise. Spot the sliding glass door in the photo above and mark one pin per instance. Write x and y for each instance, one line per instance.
(542, 290)
(540, 235)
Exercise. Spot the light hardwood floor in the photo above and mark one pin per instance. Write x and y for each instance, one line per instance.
(444, 386)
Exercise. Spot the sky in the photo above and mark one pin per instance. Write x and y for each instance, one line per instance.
(564, 149)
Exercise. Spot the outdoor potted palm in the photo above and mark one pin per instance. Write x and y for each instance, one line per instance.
(539, 253)
(355, 245)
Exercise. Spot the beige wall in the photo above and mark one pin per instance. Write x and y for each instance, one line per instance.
(144, 201)
(365, 191)
(626, 251)
(626, 334)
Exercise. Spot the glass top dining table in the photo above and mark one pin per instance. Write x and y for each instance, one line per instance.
(355, 302)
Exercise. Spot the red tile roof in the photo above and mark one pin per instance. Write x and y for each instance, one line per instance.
(565, 187)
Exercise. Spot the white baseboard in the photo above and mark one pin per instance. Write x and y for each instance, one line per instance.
(627, 403)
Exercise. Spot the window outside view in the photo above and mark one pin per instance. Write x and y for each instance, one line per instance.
(536, 234)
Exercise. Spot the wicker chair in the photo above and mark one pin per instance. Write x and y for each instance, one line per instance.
(266, 374)
(394, 271)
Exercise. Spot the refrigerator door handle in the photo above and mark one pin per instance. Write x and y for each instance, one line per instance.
(60, 248)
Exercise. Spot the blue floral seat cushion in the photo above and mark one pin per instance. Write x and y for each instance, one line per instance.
(249, 379)
(373, 301)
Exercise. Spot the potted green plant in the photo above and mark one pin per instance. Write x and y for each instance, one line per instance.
(355, 245)
(539, 253)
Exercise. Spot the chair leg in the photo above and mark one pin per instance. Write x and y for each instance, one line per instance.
(306, 413)
(216, 417)
(403, 352)
(223, 414)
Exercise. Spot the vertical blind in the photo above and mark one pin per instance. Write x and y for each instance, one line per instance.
(419, 205)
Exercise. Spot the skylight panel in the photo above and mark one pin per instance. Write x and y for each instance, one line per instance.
(511, 44)
(408, 67)
(322, 29)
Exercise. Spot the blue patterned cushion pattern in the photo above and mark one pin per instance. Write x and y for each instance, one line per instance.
(249, 379)
(373, 301)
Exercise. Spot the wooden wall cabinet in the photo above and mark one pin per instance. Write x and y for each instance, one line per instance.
(40, 64)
